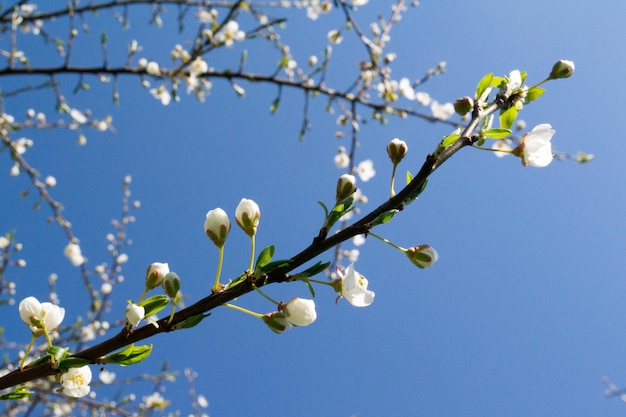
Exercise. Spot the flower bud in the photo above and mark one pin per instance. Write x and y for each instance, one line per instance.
(217, 226)
(562, 69)
(247, 216)
(300, 312)
(346, 186)
(464, 105)
(171, 284)
(155, 273)
(134, 313)
(422, 256)
(397, 149)
(276, 321)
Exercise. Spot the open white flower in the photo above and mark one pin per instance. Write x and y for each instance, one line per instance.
(535, 147)
(442, 111)
(76, 381)
(73, 253)
(353, 287)
(366, 170)
(300, 312)
(230, 33)
(40, 316)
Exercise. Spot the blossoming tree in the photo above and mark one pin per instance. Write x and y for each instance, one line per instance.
(485, 120)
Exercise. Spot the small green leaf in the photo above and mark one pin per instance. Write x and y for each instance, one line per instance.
(311, 290)
(382, 218)
(274, 265)
(103, 38)
(264, 257)
(154, 304)
(507, 117)
(314, 270)
(409, 177)
(190, 322)
(16, 394)
(496, 133)
(324, 207)
(130, 355)
(483, 84)
(533, 94)
(450, 139)
(72, 362)
(497, 81)
(56, 352)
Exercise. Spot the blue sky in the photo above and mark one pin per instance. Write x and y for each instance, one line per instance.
(522, 315)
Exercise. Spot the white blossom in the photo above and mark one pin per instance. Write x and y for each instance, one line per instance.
(365, 169)
(230, 33)
(354, 288)
(76, 381)
(40, 315)
(535, 147)
(442, 111)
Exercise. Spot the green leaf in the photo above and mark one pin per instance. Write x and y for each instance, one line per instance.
(496, 133)
(264, 257)
(507, 117)
(324, 207)
(56, 352)
(274, 265)
(413, 196)
(497, 81)
(382, 218)
(190, 322)
(483, 84)
(311, 290)
(314, 270)
(16, 394)
(445, 142)
(154, 304)
(71, 362)
(409, 177)
(129, 355)
(533, 94)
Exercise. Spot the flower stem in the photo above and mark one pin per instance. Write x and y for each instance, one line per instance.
(267, 297)
(243, 310)
(219, 268)
(387, 241)
(251, 254)
(30, 346)
(173, 311)
(392, 192)
(143, 294)
(493, 150)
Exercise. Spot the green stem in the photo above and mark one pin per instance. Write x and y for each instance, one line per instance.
(386, 241)
(392, 192)
(316, 281)
(143, 294)
(251, 254)
(173, 311)
(30, 346)
(493, 150)
(243, 310)
(267, 297)
(219, 268)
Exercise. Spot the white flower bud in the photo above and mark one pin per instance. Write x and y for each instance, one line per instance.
(247, 216)
(300, 312)
(217, 226)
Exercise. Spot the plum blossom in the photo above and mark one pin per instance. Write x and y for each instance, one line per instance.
(76, 381)
(230, 33)
(300, 312)
(406, 89)
(442, 111)
(162, 94)
(155, 273)
(365, 169)
(535, 148)
(73, 253)
(353, 287)
(40, 317)
(423, 98)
